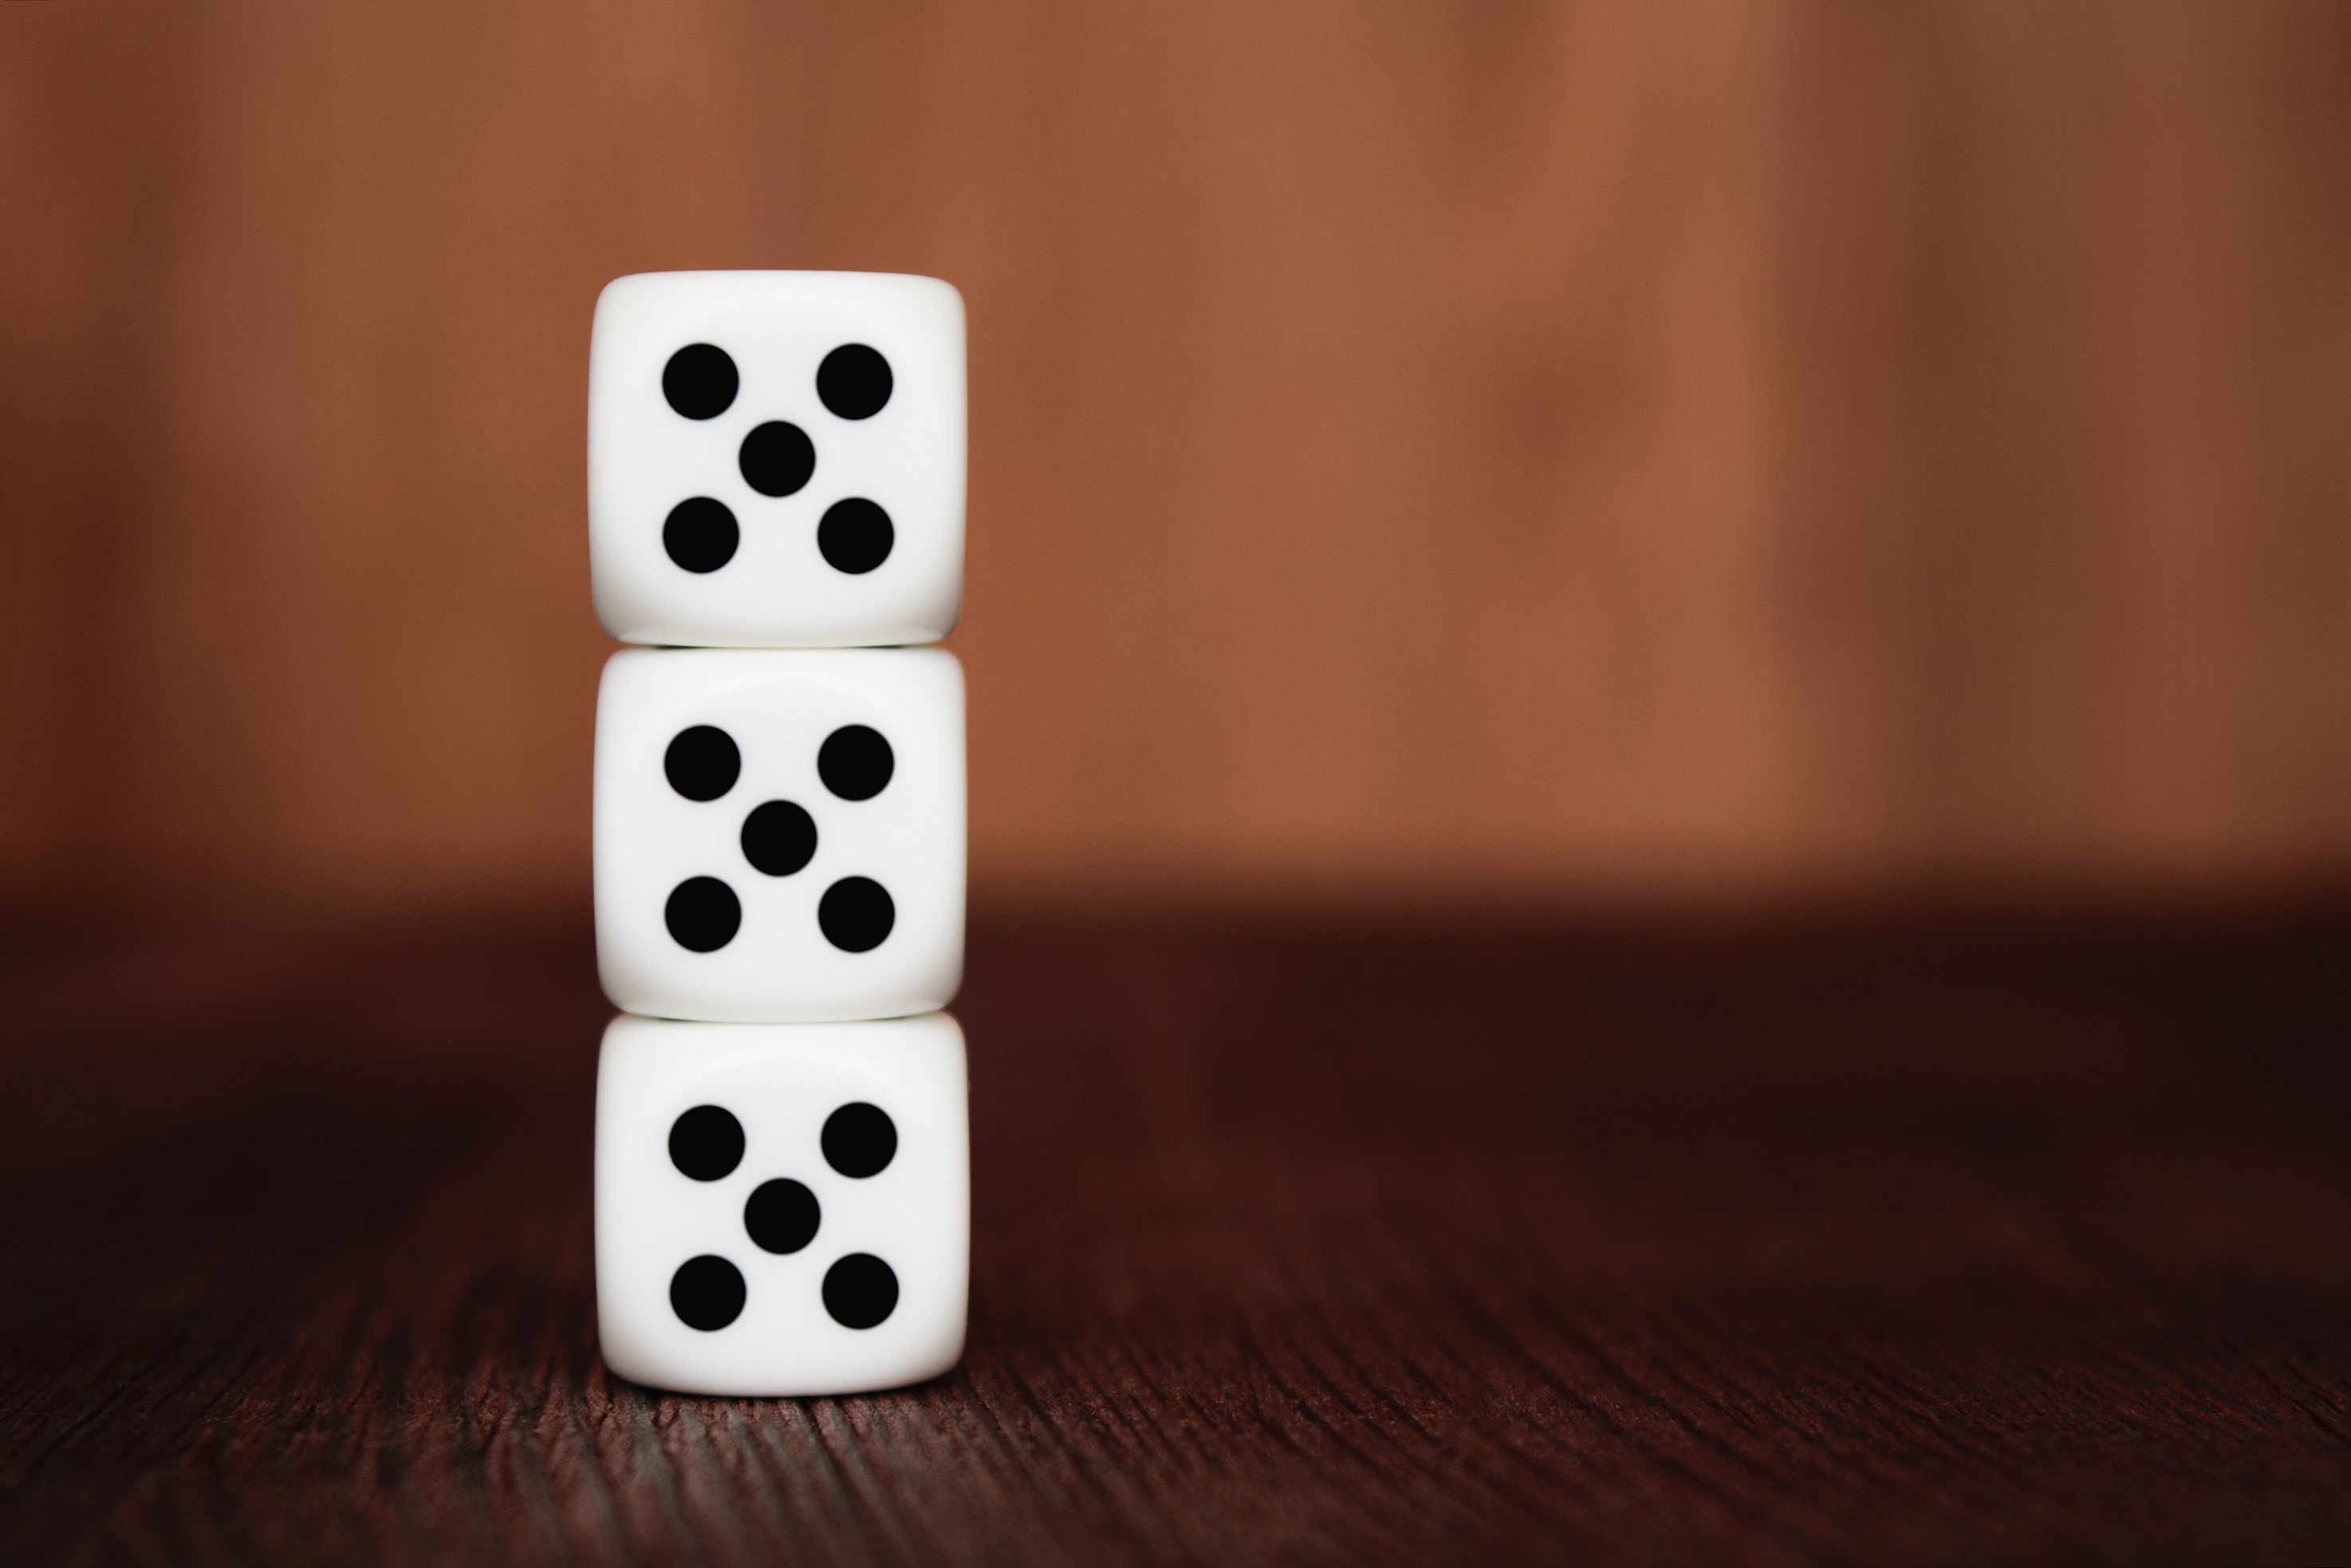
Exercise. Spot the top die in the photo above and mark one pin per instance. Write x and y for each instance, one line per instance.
(775, 459)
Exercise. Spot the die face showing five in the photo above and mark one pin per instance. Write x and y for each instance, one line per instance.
(780, 834)
(781, 1208)
(775, 459)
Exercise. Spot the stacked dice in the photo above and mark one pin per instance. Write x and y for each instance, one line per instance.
(776, 512)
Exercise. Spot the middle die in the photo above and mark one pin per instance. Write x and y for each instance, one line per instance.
(780, 832)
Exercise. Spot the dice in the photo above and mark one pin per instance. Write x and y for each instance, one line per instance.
(775, 459)
(775, 500)
(779, 834)
(781, 1208)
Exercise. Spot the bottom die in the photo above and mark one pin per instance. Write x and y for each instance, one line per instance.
(781, 1208)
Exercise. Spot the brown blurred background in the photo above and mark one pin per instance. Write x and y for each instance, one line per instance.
(1586, 450)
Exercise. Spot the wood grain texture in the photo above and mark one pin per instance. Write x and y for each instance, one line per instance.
(1580, 445)
(1920, 1239)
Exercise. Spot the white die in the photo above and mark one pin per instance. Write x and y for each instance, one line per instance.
(775, 459)
(781, 1208)
(780, 832)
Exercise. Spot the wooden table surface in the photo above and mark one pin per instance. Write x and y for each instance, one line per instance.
(1868, 1239)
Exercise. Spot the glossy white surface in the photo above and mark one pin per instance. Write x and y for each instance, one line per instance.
(778, 589)
(779, 708)
(780, 1083)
